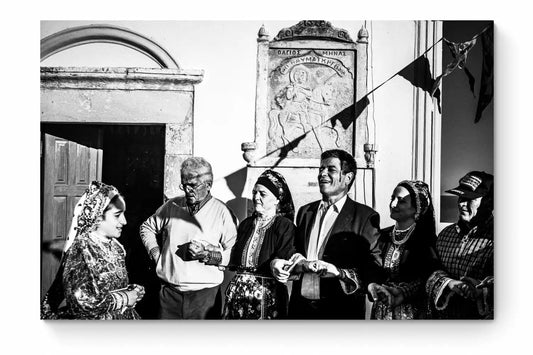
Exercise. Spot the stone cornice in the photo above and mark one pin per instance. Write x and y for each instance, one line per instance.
(119, 78)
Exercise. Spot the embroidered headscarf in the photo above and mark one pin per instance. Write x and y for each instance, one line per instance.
(425, 229)
(275, 183)
(420, 196)
(90, 209)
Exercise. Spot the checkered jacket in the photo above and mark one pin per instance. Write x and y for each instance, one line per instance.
(470, 254)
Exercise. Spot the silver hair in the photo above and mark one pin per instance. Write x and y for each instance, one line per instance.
(198, 164)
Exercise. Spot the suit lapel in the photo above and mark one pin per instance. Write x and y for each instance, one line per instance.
(309, 220)
(342, 222)
(345, 217)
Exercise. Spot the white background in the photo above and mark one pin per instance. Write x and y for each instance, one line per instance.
(23, 332)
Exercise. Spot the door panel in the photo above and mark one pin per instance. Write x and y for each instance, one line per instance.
(68, 169)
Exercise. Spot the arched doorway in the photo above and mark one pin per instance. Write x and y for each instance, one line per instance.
(129, 127)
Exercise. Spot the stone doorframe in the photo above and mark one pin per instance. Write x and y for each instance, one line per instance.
(123, 95)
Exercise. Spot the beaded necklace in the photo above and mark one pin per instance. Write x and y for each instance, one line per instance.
(398, 232)
(398, 243)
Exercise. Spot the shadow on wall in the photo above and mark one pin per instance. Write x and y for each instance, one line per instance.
(236, 182)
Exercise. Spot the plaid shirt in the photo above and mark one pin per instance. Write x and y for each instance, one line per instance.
(470, 254)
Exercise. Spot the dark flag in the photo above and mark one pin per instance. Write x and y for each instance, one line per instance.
(418, 73)
(459, 53)
(284, 151)
(486, 88)
(347, 116)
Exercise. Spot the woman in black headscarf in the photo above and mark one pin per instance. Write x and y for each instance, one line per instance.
(268, 234)
(408, 254)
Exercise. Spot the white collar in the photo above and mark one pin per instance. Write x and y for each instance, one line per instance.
(337, 206)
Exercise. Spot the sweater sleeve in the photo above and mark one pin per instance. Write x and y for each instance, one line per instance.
(152, 227)
(228, 237)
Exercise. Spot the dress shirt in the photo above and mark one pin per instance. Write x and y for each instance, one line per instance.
(325, 218)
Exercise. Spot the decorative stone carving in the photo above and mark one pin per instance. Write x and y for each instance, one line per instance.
(249, 152)
(370, 153)
(362, 36)
(308, 88)
(314, 29)
(309, 80)
(262, 35)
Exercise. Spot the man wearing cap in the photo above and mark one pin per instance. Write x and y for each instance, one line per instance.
(463, 288)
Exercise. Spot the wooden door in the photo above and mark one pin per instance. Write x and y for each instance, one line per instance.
(68, 168)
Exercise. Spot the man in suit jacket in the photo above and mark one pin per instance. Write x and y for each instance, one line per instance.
(338, 239)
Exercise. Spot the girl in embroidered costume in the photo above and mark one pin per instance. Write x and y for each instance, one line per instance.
(92, 278)
(254, 293)
(408, 254)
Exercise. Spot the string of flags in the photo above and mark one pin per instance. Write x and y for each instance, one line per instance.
(459, 53)
(418, 73)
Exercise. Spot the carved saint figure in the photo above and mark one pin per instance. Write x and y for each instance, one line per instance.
(293, 118)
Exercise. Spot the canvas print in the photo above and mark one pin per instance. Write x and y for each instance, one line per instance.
(312, 169)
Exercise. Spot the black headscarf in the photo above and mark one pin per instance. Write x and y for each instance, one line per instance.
(425, 214)
(275, 183)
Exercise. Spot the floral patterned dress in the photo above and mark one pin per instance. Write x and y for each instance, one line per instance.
(253, 293)
(95, 279)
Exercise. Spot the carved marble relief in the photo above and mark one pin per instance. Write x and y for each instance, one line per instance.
(308, 89)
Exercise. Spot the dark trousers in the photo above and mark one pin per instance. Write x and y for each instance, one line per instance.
(342, 307)
(201, 304)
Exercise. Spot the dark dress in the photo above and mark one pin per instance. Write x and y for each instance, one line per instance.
(407, 267)
(253, 293)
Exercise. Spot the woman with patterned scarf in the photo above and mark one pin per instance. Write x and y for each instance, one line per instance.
(254, 293)
(408, 254)
(92, 277)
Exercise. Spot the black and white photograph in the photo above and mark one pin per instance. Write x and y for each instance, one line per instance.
(355, 194)
(189, 169)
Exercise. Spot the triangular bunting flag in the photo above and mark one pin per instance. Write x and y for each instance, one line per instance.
(486, 88)
(419, 74)
(459, 53)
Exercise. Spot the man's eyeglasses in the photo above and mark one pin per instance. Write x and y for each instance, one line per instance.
(191, 187)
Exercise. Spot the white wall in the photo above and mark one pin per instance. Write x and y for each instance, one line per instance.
(392, 48)
(224, 101)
